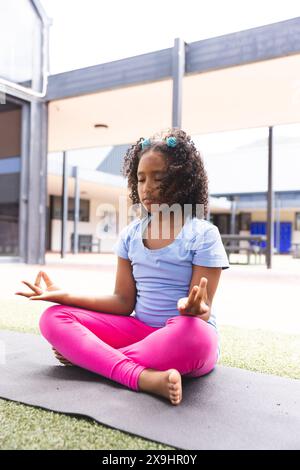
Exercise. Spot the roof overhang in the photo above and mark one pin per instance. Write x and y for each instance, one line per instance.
(239, 80)
(244, 47)
(254, 95)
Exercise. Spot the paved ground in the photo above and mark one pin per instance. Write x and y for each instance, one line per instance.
(248, 296)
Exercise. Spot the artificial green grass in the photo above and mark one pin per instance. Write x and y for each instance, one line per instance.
(26, 427)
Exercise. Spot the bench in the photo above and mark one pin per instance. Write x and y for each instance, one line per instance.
(232, 245)
(88, 246)
(295, 250)
(86, 243)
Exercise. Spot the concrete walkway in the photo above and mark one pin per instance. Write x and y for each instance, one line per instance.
(248, 296)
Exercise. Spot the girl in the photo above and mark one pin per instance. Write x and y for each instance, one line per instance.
(169, 281)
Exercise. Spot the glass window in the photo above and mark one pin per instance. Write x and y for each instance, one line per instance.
(10, 164)
(21, 32)
(235, 161)
(56, 208)
(222, 221)
(286, 157)
(244, 221)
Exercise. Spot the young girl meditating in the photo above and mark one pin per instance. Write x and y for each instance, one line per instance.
(159, 324)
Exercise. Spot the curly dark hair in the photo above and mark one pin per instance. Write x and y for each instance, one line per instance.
(185, 170)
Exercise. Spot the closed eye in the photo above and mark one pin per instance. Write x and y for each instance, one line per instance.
(141, 181)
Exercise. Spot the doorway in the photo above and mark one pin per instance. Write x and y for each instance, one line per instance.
(10, 172)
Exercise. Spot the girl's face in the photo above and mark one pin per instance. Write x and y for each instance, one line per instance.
(151, 169)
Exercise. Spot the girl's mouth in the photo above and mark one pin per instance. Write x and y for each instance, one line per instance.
(150, 201)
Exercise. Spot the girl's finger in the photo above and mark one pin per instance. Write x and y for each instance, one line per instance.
(46, 278)
(24, 294)
(191, 297)
(35, 289)
(202, 288)
(38, 279)
(193, 293)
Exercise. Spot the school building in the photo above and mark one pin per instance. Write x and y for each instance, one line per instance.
(63, 136)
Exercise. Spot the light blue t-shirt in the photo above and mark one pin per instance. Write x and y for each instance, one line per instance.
(163, 275)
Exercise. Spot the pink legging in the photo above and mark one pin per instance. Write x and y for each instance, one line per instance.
(120, 347)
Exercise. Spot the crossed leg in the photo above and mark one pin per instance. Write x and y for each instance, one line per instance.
(121, 348)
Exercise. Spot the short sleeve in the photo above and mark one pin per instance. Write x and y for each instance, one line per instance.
(210, 251)
(121, 247)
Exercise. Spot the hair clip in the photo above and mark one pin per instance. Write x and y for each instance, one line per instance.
(145, 143)
(171, 141)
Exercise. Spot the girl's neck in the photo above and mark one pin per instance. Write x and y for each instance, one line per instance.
(165, 217)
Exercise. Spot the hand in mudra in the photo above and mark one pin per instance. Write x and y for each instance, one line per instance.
(196, 303)
(50, 292)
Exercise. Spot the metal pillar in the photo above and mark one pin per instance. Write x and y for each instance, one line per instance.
(208, 211)
(37, 184)
(277, 204)
(233, 215)
(64, 209)
(76, 210)
(270, 202)
(178, 69)
(24, 183)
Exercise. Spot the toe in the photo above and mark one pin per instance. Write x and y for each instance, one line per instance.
(174, 384)
(174, 376)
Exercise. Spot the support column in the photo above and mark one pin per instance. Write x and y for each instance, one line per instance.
(76, 210)
(178, 69)
(24, 183)
(233, 215)
(270, 202)
(277, 204)
(208, 211)
(37, 184)
(64, 209)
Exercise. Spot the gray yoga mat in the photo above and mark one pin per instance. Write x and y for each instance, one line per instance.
(227, 409)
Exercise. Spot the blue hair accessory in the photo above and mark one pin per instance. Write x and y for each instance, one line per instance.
(171, 141)
(145, 143)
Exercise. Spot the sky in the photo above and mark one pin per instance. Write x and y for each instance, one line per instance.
(92, 32)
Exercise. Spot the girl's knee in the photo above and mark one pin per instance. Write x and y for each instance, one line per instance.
(198, 337)
(48, 319)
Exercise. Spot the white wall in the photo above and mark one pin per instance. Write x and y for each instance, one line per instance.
(84, 228)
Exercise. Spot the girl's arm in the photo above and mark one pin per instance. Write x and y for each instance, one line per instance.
(114, 304)
(121, 302)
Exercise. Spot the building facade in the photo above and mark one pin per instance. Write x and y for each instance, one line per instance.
(205, 87)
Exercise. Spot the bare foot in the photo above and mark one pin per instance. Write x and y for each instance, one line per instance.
(61, 358)
(165, 383)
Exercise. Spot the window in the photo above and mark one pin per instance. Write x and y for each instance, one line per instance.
(222, 221)
(244, 221)
(297, 221)
(56, 208)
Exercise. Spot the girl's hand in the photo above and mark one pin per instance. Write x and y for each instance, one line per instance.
(50, 293)
(196, 303)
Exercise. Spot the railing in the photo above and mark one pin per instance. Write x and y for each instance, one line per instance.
(232, 245)
(88, 246)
